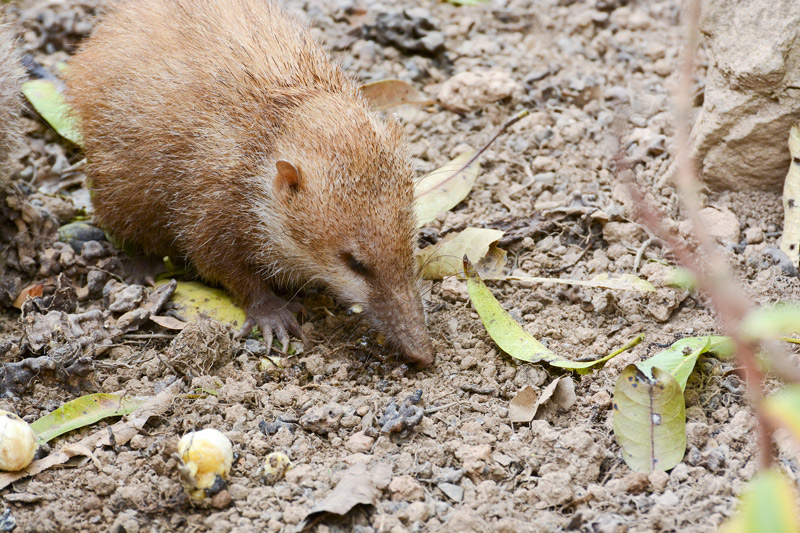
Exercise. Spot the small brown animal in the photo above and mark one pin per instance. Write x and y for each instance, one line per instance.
(220, 131)
(11, 73)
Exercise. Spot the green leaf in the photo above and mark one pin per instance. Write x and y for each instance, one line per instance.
(442, 189)
(784, 407)
(681, 278)
(772, 322)
(194, 300)
(680, 358)
(767, 505)
(385, 94)
(468, 2)
(649, 419)
(445, 257)
(509, 335)
(48, 100)
(82, 412)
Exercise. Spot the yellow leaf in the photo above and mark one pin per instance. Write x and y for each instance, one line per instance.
(194, 300)
(649, 419)
(442, 189)
(790, 241)
(49, 102)
(445, 258)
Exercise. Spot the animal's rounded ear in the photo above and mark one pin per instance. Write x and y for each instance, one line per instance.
(288, 180)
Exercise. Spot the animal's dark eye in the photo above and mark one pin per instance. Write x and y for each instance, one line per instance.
(355, 265)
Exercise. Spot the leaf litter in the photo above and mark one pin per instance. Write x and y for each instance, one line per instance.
(626, 313)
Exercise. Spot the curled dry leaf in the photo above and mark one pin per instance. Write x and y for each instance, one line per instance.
(523, 406)
(358, 486)
(444, 258)
(442, 189)
(48, 100)
(649, 419)
(31, 291)
(527, 405)
(169, 322)
(385, 94)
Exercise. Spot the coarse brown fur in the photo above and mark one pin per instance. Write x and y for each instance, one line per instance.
(11, 73)
(187, 106)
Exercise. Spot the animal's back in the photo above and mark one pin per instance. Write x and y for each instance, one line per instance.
(198, 94)
(220, 131)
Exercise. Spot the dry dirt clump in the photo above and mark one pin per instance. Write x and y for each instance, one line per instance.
(399, 448)
(202, 346)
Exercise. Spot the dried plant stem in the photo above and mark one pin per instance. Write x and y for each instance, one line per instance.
(712, 274)
(510, 122)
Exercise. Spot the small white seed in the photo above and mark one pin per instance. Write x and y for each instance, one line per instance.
(275, 466)
(17, 442)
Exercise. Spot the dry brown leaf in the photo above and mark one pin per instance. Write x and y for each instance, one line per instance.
(523, 407)
(169, 322)
(560, 394)
(31, 291)
(385, 94)
(358, 486)
(527, 405)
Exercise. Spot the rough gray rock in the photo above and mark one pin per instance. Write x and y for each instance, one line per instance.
(752, 93)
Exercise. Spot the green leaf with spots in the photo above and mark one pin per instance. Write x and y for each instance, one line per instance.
(82, 412)
(48, 100)
(649, 419)
(510, 336)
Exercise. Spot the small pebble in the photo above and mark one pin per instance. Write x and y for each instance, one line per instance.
(454, 492)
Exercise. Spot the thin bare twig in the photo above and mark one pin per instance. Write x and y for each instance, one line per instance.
(712, 274)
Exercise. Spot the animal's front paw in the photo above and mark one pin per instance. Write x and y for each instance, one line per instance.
(275, 317)
(142, 270)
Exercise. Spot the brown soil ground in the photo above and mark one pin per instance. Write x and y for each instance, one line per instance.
(577, 65)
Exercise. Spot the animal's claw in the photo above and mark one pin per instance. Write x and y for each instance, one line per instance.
(274, 316)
